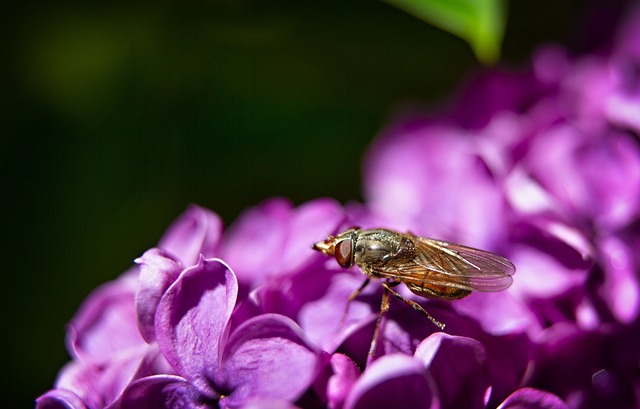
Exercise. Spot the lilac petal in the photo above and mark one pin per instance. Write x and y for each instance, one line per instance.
(499, 313)
(552, 169)
(60, 399)
(458, 367)
(345, 374)
(508, 356)
(550, 64)
(525, 195)
(197, 231)
(542, 275)
(530, 398)
(287, 293)
(268, 403)
(566, 357)
(275, 239)
(310, 223)
(161, 391)
(100, 384)
(611, 168)
(569, 245)
(192, 320)
(158, 270)
(492, 93)
(266, 357)
(585, 106)
(392, 381)
(323, 319)
(254, 243)
(624, 111)
(126, 369)
(595, 177)
(245, 309)
(404, 329)
(105, 322)
(572, 238)
(394, 338)
(625, 104)
(83, 379)
(621, 289)
(410, 175)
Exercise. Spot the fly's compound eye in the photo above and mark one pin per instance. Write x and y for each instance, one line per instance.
(344, 253)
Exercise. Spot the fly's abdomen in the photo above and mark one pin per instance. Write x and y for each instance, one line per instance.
(437, 291)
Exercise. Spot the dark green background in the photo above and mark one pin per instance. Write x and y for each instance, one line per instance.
(115, 116)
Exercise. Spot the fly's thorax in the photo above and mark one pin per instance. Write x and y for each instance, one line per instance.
(378, 247)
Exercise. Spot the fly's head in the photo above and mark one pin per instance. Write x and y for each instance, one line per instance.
(341, 247)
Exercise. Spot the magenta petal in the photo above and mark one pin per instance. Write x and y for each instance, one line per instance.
(197, 231)
(268, 403)
(530, 398)
(192, 318)
(128, 368)
(458, 367)
(158, 270)
(624, 111)
(566, 357)
(84, 380)
(345, 374)
(392, 381)
(411, 174)
(542, 275)
(105, 322)
(309, 223)
(490, 93)
(97, 385)
(621, 289)
(59, 399)
(267, 357)
(590, 176)
(254, 243)
(323, 320)
(275, 238)
(499, 313)
(160, 391)
(610, 168)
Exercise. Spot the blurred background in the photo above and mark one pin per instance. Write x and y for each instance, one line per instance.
(115, 116)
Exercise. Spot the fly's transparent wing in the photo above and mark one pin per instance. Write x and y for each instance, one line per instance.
(440, 265)
(461, 266)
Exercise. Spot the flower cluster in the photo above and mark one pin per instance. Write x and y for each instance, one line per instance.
(542, 167)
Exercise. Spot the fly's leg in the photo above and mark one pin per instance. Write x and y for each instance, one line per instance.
(384, 307)
(351, 298)
(413, 304)
(358, 291)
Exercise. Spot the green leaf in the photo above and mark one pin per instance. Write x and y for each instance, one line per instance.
(480, 23)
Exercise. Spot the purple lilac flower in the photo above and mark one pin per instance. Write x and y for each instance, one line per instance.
(176, 312)
(541, 166)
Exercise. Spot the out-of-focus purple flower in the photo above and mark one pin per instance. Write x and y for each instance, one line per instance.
(589, 368)
(410, 174)
(547, 172)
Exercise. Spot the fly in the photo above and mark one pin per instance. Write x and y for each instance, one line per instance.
(429, 268)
